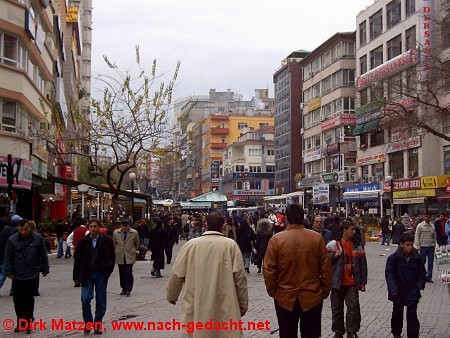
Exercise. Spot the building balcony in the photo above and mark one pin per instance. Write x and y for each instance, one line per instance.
(220, 131)
(218, 145)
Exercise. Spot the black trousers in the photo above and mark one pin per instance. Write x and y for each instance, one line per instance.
(310, 321)
(126, 277)
(168, 248)
(412, 323)
(23, 297)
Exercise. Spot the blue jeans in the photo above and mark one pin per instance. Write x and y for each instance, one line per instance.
(87, 294)
(3, 276)
(60, 252)
(427, 252)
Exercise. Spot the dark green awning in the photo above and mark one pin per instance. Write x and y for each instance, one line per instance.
(358, 129)
(371, 125)
(366, 127)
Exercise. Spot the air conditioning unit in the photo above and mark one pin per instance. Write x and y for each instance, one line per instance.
(302, 131)
(351, 170)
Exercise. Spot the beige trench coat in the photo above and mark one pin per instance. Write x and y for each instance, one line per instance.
(126, 248)
(211, 270)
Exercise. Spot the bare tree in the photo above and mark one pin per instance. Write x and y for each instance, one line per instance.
(128, 121)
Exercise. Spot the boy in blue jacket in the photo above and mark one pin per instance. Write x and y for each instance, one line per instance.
(405, 276)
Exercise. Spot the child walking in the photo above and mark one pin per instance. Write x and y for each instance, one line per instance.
(405, 276)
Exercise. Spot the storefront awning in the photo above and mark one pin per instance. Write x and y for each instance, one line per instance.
(445, 197)
(366, 127)
(361, 195)
(413, 200)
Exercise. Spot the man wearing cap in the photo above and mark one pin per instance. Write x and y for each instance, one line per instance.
(9, 230)
(126, 243)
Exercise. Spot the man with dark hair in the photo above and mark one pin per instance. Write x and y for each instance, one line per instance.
(297, 275)
(211, 269)
(405, 276)
(349, 264)
(25, 258)
(425, 242)
(94, 262)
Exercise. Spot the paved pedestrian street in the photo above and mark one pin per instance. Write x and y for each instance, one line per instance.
(58, 309)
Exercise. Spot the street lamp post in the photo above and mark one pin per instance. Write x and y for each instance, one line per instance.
(390, 178)
(132, 177)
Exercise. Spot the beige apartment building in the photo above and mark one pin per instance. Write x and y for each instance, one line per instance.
(407, 165)
(328, 110)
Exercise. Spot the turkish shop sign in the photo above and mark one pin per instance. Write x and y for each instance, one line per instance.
(321, 194)
(387, 69)
(22, 172)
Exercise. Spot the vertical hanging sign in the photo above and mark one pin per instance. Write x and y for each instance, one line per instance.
(426, 39)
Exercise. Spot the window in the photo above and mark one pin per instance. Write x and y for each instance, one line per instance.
(410, 7)
(376, 24)
(362, 34)
(410, 38)
(348, 48)
(254, 168)
(394, 87)
(316, 90)
(8, 113)
(411, 80)
(240, 168)
(326, 58)
(377, 138)
(447, 123)
(396, 164)
(270, 152)
(326, 85)
(242, 125)
(393, 11)
(363, 64)
(254, 152)
(376, 57)
(270, 168)
(446, 33)
(9, 50)
(348, 77)
(363, 97)
(327, 110)
(223, 139)
(413, 162)
(315, 67)
(394, 47)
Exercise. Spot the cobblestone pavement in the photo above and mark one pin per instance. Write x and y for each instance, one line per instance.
(59, 300)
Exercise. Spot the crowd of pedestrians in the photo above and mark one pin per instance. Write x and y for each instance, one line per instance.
(303, 259)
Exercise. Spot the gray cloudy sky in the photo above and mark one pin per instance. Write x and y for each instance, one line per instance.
(221, 44)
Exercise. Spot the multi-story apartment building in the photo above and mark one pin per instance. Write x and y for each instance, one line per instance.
(40, 48)
(395, 43)
(288, 122)
(328, 109)
(248, 168)
(205, 126)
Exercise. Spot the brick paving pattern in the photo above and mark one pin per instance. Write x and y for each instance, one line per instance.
(59, 299)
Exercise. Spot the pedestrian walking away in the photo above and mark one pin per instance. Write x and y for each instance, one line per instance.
(211, 272)
(405, 276)
(94, 262)
(297, 274)
(349, 264)
(158, 238)
(25, 258)
(425, 243)
(126, 243)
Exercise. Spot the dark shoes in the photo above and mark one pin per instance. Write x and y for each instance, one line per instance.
(352, 335)
(98, 332)
(68, 256)
(153, 272)
(259, 270)
(77, 285)
(247, 270)
(337, 335)
(429, 280)
(397, 336)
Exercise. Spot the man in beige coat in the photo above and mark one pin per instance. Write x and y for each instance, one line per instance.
(126, 243)
(212, 271)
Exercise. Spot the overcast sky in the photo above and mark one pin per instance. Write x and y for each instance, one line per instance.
(224, 45)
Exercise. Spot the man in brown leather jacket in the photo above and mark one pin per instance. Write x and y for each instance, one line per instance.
(298, 276)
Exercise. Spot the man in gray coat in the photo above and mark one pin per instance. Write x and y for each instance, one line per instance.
(25, 258)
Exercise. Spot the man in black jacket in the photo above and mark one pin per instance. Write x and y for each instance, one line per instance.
(8, 230)
(25, 258)
(94, 262)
